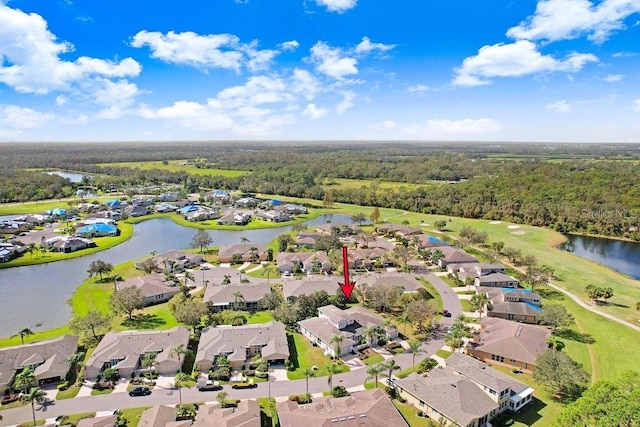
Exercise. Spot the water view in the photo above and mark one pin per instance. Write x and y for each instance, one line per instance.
(619, 255)
(73, 177)
(37, 294)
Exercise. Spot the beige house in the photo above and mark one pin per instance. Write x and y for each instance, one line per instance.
(241, 343)
(243, 253)
(124, 351)
(292, 289)
(224, 297)
(371, 408)
(466, 392)
(49, 360)
(520, 305)
(510, 344)
(175, 261)
(105, 421)
(155, 288)
(305, 261)
(246, 414)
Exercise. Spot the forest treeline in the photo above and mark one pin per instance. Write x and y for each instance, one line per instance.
(571, 188)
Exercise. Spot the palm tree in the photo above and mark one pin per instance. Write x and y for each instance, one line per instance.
(373, 372)
(237, 299)
(479, 302)
(222, 398)
(332, 369)
(269, 269)
(75, 362)
(179, 350)
(148, 360)
(187, 277)
(244, 240)
(35, 395)
(253, 251)
(23, 333)
(308, 372)
(386, 324)
(404, 318)
(371, 334)
(337, 340)
(179, 381)
(390, 365)
(414, 348)
(116, 279)
(25, 380)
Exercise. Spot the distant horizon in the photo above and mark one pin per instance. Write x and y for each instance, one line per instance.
(330, 70)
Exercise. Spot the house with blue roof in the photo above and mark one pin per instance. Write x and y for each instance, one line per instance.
(113, 203)
(99, 229)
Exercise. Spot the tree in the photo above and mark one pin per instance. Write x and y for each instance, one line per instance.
(326, 243)
(562, 376)
(75, 362)
(201, 240)
(270, 269)
(180, 381)
(270, 301)
(148, 266)
(555, 315)
(148, 360)
(359, 217)
(420, 312)
(390, 366)
(187, 277)
(244, 240)
(404, 318)
(306, 373)
(375, 215)
(99, 267)
(404, 254)
(479, 302)
(337, 340)
(25, 380)
(606, 294)
(221, 397)
(440, 225)
(373, 372)
(23, 333)
(606, 403)
(284, 241)
(126, 301)
(384, 297)
(414, 348)
(332, 369)
(180, 351)
(238, 300)
(33, 396)
(287, 313)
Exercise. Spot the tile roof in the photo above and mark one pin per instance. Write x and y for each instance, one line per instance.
(223, 294)
(246, 414)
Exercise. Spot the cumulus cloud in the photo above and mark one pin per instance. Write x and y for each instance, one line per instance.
(447, 127)
(332, 61)
(15, 117)
(339, 6)
(635, 105)
(314, 112)
(366, 46)
(417, 88)
(613, 78)
(32, 62)
(348, 97)
(289, 45)
(512, 60)
(561, 106)
(304, 83)
(569, 19)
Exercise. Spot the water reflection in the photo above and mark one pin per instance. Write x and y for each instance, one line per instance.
(619, 255)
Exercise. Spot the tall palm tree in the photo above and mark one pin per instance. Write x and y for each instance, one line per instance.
(33, 396)
(179, 350)
(23, 333)
(371, 334)
(373, 372)
(148, 360)
(25, 380)
(387, 324)
(479, 302)
(187, 277)
(179, 381)
(237, 299)
(332, 369)
(337, 340)
(244, 240)
(308, 372)
(222, 398)
(269, 269)
(404, 318)
(414, 348)
(390, 365)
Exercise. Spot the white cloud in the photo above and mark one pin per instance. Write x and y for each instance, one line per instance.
(419, 88)
(32, 57)
(348, 97)
(339, 6)
(635, 105)
(513, 60)
(61, 100)
(15, 117)
(385, 125)
(561, 106)
(365, 46)
(613, 78)
(303, 82)
(330, 61)
(314, 112)
(289, 45)
(461, 128)
(569, 19)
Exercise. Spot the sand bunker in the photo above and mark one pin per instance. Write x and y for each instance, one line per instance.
(495, 222)
(519, 233)
(513, 227)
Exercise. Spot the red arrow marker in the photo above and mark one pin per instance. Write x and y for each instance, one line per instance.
(348, 285)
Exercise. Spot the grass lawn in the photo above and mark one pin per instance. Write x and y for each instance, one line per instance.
(443, 353)
(259, 317)
(73, 419)
(30, 423)
(344, 184)
(175, 166)
(466, 305)
(304, 355)
(436, 302)
(269, 408)
(132, 415)
(42, 206)
(373, 359)
(69, 393)
(408, 412)
(449, 281)
(99, 392)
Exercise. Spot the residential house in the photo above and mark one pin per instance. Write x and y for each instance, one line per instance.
(310, 262)
(510, 344)
(307, 239)
(202, 213)
(161, 416)
(376, 242)
(249, 252)
(165, 207)
(371, 408)
(136, 210)
(350, 324)
(49, 360)
(98, 229)
(68, 244)
(103, 421)
(406, 282)
(124, 351)
(399, 230)
(10, 250)
(497, 280)
(246, 203)
(466, 392)
(169, 196)
(235, 218)
(425, 241)
(368, 259)
(175, 261)
(294, 209)
(245, 414)
(520, 305)
(219, 196)
(226, 297)
(338, 228)
(475, 270)
(239, 344)
(155, 288)
(292, 289)
(274, 216)
(453, 255)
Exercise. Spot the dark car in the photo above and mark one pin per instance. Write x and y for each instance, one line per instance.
(244, 385)
(139, 391)
(210, 386)
(446, 313)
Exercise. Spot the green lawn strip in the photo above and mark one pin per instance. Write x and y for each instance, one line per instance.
(37, 336)
(345, 183)
(176, 166)
(99, 392)
(102, 243)
(69, 393)
(73, 419)
(466, 305)
(269, 408)
(449, 281)
(436, 301)
(132, 415)
(443, 353)
(372, 360)
(259, 317)
(40, 207)
(304, 355)
(409, 413)
(30, 423)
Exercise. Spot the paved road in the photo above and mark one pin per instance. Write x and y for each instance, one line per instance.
(352, 379)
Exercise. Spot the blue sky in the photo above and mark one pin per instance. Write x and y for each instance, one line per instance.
(491, 70)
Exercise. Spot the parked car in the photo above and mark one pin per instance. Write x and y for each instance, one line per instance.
(210, 386)
(245, 385)
(139, 391)
(446, 313)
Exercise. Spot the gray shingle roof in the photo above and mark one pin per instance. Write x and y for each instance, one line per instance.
(223, 294)
(307, 287)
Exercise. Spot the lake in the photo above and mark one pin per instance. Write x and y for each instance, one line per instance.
(38, 293)
(71, 176)
(619, 255)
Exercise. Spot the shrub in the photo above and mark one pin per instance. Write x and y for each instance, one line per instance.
(63, 385)
(426, 365)
(339, 391)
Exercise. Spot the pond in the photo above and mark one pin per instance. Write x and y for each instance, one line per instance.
(619, 255)
(37, 294)
(71, 176)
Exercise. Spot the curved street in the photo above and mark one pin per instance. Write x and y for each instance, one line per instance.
(352, 380)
